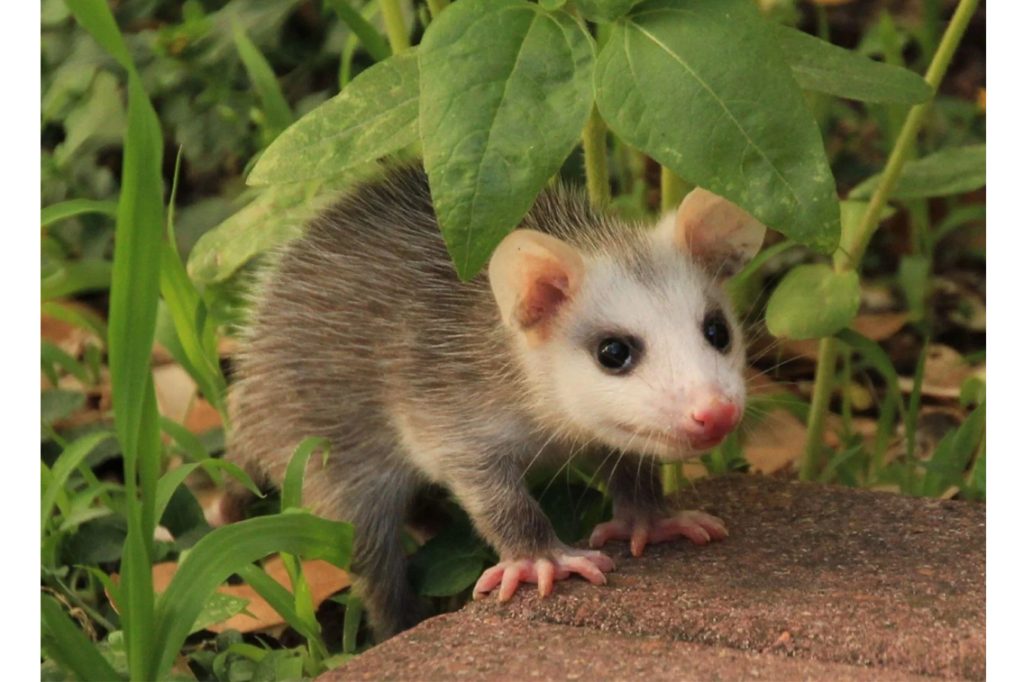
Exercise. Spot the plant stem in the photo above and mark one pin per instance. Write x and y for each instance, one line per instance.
(398, 37)
(819, 407)
(673, 189)
(436, 6)
(869, 223)
(595, 158)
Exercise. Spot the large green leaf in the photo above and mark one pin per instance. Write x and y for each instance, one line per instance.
(604, 10)
(276, 215)
(703, 88)
(813, 301)
(372, 117)
(505, 89)
(942, 174)
(226, 551)
(824, 67)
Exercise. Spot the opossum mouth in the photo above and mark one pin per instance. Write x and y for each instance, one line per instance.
(667, 439)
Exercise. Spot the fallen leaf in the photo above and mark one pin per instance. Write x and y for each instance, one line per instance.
(175, 391)
(201, 417)
(775, 443)
(945, 371)
(324, 579)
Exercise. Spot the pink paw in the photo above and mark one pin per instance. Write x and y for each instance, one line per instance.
(543, 571)
(699, 527)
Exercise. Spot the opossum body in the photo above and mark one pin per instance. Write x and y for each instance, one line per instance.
(586, 337)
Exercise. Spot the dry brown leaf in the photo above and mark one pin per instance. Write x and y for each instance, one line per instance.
(324, 579)
(945, 371)
(201, 417)
(880, 326)
(69, 338)
(775, 443)
(175, 391)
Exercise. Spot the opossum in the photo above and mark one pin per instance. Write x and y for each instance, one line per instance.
(587, 336)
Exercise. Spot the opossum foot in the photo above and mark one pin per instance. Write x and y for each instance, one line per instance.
(699, 527)
(543, 571)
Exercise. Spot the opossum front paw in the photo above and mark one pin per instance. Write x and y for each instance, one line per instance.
(699, 527)
(543, 571)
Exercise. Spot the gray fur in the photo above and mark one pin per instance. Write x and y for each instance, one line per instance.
(363, 334)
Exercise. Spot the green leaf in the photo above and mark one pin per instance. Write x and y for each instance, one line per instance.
(820, 66)
(369, 36)
(603, 11)
(278, 113)
(82, 318)
(64, 642)
(217, 609)
(879, 359)
(279, 598)
(736, 125)
(226, 551)
(372, 117)
(448, 563)
(95, 17)
(505, 89)
(913, 276)
(291, 488)
(70, 459)
(276, 215)
(953, 453)
(942, 174)
(813, 301)
(77, 277)
(54, 213)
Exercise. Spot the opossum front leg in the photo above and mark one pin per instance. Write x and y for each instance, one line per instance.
(641, 515)
(496, 499)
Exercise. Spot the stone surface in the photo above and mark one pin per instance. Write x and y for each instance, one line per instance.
(813, 583)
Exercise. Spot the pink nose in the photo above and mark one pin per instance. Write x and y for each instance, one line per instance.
(710, 422)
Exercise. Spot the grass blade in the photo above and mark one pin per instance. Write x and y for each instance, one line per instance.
(65, 643)
(76, 207)
(291, 489)
(275, 106)
(279, 598)
(369, 36)
(228, 550)
(69, 460)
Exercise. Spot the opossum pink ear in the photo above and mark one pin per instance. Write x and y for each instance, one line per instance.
(716, 232)
(532, 276)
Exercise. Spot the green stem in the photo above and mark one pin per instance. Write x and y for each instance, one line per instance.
(673, 189)
(819, 408)
(436, 6)
(908, 134)
(869, 223)
(398, 37)
(595, 158)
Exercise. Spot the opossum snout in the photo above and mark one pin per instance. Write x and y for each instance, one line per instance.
(710, 422)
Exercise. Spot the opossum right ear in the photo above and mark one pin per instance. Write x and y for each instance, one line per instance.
(532, 275)
(716, 232)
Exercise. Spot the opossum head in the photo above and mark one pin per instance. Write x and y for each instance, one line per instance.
(625, 336)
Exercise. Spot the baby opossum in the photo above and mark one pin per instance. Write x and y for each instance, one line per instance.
(588, 336)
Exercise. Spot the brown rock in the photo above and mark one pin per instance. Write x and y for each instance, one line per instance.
(813, 582)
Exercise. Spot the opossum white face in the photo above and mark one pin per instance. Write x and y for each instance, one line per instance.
(637, 349)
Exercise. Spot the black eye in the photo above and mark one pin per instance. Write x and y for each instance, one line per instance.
(716, 331)
(616, 354)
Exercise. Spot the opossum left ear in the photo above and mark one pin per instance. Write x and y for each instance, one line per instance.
(716, 232)
(533, 275)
